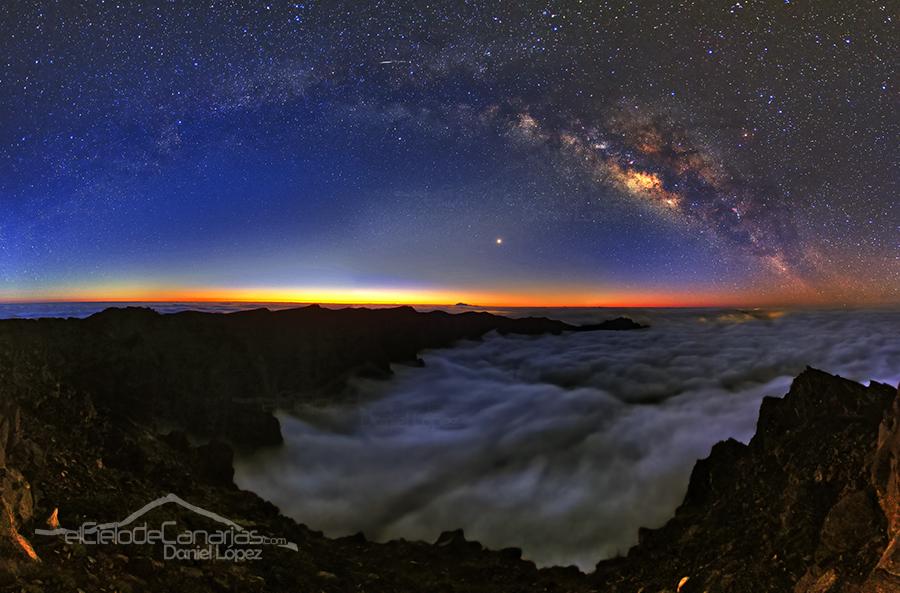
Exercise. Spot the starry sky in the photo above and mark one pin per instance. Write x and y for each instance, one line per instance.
(532, 153)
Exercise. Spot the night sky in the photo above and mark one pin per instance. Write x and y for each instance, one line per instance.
(582, 153)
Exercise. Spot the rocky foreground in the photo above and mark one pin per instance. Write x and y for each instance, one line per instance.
(99, 417)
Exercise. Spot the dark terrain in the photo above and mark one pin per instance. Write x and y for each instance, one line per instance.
(101, 416)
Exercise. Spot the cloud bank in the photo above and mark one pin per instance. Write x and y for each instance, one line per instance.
(560, 445)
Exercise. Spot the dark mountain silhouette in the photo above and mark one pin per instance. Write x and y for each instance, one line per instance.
(88, 408)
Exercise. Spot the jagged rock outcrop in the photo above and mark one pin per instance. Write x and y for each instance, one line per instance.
(886, 480)
(16, 498)
(795, 510)
(17, 510)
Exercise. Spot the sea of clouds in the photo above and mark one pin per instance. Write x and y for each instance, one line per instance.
(561, 445)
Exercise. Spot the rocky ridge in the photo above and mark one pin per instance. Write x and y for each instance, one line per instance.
(804, 507)
(197, 371)
(811, 504)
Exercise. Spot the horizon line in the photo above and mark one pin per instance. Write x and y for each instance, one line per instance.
(458, 304)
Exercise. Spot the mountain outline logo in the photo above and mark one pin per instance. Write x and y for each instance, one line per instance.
(110, 532)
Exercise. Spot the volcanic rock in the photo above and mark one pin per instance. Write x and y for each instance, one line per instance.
(100, 417)
(796, 509)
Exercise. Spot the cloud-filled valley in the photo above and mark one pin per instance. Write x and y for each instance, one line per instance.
(560, 445)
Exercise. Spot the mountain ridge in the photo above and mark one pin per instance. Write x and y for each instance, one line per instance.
(810, 504)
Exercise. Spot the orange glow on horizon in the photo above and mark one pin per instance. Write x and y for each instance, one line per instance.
(569, 296)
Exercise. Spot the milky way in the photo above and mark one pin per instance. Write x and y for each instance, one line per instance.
(725, 152)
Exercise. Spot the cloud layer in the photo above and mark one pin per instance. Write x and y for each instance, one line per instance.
(560, 445)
